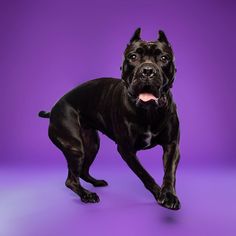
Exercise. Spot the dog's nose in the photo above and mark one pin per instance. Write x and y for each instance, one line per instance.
(148, 71)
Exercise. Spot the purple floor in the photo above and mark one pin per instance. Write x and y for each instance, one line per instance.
(34, 201)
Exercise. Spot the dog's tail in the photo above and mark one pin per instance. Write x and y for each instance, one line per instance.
(44, 114)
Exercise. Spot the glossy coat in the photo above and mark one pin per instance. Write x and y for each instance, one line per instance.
(112, 106)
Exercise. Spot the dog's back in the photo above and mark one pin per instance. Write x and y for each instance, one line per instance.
(89, 95)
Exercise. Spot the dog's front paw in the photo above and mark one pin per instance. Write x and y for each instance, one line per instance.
(89, 197)
(169, 200)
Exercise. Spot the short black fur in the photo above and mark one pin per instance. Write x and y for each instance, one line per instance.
(116, 108)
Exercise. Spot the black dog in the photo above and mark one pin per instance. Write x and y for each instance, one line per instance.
(137, 112)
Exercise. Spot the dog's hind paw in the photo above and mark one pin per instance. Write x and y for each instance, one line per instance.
(169, 200)
(100, 183)
(89, 197)
(95, 182)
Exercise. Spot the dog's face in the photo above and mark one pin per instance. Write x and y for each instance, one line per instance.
(148, 70)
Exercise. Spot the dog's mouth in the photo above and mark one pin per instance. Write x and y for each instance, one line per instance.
(147, 94)
(146, 97)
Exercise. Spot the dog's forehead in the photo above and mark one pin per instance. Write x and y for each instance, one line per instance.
(149, 46)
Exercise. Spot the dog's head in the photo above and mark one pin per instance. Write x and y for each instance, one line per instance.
(148, 70)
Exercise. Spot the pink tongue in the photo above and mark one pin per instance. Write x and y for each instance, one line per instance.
(146, 97)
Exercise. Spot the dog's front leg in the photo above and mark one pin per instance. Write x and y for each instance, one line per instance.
(131, 159)
(168, 196)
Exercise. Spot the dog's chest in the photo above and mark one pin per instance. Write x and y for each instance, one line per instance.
(143, 137)
(147, 138)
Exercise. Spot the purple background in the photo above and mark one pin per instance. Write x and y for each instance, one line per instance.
(48, 47)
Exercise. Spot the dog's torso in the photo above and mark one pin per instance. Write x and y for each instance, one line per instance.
(102, 104)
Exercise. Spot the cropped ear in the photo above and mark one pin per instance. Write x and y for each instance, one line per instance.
(136, 35)
(162, 37)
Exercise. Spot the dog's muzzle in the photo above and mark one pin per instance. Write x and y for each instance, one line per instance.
(146, 87)
(147, 83)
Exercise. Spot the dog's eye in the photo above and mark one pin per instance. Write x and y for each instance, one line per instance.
(164, 59)
(132, 56)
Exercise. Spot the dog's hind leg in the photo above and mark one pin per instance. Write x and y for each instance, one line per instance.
(65, 133)
(91, 144)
